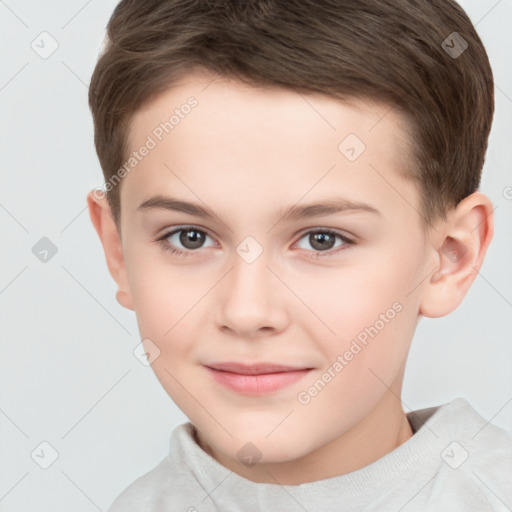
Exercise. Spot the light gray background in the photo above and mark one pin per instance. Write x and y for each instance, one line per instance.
(69, 376)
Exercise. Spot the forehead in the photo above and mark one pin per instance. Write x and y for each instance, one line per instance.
(220, 136)
(231, 107)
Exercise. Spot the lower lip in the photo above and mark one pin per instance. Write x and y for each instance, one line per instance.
(257, 384)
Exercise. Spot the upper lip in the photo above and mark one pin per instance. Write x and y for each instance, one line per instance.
(254, 369)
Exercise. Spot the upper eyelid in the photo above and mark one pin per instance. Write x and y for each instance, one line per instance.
(173, 231)
(326, 230)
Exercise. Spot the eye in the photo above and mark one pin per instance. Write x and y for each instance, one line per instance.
(324, 242)
(189, 237)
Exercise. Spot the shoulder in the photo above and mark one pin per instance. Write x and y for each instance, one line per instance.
(477, 459)
(489, 457)
(141, 494)
(161, 486)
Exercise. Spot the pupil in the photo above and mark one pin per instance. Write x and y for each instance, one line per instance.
(322, 240)
(192, 237)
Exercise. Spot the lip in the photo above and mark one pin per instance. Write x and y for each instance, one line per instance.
(255, 379)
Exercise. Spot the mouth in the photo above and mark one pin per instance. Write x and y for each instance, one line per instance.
(255, 379)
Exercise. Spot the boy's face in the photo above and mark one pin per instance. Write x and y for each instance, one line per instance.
(253, 287)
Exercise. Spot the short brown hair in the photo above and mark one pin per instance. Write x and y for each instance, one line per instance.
(391, 51)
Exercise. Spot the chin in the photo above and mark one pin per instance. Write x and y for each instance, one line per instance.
(275, 449)
(264, 437)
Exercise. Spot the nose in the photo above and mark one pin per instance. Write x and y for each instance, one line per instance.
(251, 300)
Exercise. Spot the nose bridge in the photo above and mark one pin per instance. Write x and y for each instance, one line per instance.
(249, 279)
(250, 299)
(250, 272)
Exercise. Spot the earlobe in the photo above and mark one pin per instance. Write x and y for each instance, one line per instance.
(124, 299)
(460, 250)
(103, 222)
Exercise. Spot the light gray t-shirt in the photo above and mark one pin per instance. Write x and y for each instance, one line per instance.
(455, 461)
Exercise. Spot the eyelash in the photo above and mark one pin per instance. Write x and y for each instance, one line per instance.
(166, 246)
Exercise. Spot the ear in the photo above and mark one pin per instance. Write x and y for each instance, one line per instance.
(103, 221)
(459, 244)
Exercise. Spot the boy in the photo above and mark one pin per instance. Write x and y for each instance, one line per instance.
(290, 187)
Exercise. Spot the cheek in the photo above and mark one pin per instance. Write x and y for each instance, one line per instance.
(360, 295)
(164, 304)
(164, 298)
(372, 312)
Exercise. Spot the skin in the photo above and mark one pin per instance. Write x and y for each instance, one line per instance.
(246, 153)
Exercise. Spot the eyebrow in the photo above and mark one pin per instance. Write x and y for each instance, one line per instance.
(294, 212)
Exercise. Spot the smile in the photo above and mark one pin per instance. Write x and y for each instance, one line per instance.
(255, 379)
